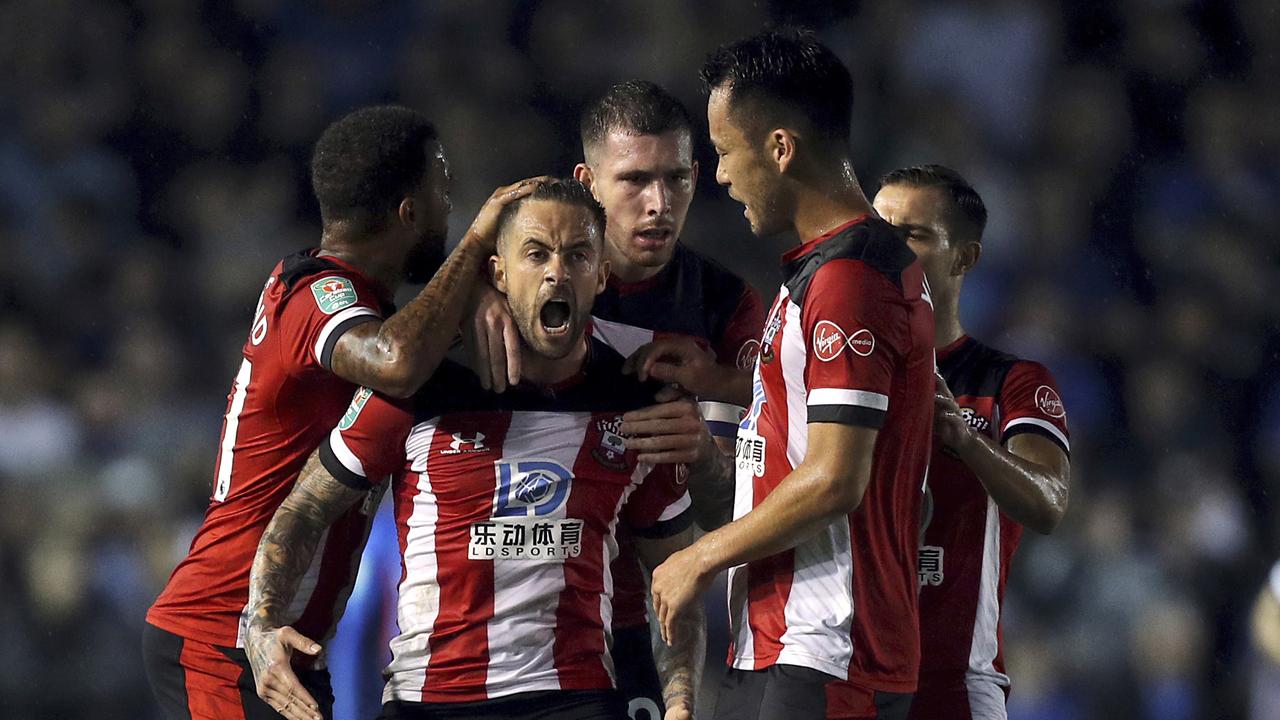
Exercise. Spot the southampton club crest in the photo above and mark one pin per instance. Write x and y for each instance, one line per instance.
(611, 452)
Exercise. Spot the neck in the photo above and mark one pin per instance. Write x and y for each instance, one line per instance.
(541, 370)
(625, 270)
(839, 200)
(365, 257)
(946, 321)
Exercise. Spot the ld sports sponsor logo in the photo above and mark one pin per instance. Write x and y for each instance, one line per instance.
(829, 340)
(529, 492)
(1048, 402)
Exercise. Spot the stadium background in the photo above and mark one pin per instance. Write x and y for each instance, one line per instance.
(153, 168)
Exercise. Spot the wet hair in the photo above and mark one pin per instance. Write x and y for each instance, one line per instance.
(636, 107)
(366, 162)
(775, 75)
(967, 213)
(567, 191)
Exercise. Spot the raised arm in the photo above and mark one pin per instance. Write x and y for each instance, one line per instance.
(286, 550)
(397, 355)
(680, 662)
(1029, 478)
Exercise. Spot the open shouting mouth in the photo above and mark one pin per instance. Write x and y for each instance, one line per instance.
(555, 315)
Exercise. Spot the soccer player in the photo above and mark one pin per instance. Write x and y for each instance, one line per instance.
(322, 326)
(1000, 457)
(832, 453)
(637, 145)
(506, 504)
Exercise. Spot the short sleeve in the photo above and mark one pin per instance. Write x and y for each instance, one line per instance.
(851, 322)
(368, 443)
(1029, 402)
(661, 506)
(322, 309)
(739, 344)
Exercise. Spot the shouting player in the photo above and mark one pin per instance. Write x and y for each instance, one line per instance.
(506, 504)
(1000, 459)
(637, 145)
(832, 453)
(382, 182)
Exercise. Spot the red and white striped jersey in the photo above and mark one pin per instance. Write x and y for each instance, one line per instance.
(507, 507)
(849, 339)
(630, 588)
(283, 401)
(968, 543)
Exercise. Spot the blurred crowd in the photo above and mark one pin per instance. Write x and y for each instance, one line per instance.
(153, 169)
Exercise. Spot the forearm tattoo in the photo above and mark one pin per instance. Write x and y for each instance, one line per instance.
(711, 488)
(288, 545)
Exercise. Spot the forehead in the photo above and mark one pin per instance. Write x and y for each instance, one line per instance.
(551, 222)
(908, 204)
(621, 148)
(719, 121)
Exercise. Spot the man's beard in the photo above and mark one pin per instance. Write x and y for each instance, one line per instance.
(424, 260)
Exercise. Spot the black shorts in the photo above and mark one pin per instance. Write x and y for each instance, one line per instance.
(193, 680)
(542, 705)
(638, 681)
(790, 692)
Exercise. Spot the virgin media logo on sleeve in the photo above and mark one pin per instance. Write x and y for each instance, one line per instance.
(829, 340)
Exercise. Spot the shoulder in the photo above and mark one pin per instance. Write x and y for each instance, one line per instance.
(328, 285)
(870, 247)
(716, 278)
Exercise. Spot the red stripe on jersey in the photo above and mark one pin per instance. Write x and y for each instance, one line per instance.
(460, 638)
(768, 588)
(580, 641)
(210, 679)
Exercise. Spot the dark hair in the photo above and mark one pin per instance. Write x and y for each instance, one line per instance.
(778, 72)
(567, 191)
(637, 107)
(368, 161)
(967, 209)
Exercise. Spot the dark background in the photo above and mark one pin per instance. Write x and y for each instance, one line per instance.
(153, 169)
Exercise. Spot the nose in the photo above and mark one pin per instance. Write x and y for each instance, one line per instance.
(722, 177)
(556, 270)
(657, 202)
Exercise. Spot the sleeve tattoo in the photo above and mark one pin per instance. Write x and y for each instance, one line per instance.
(288, 546)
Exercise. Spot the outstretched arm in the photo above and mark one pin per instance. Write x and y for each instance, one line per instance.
(680, 663)
(397, 355)
(286, 550)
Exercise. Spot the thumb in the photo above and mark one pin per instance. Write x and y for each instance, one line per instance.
(296, 640)
(667, 373)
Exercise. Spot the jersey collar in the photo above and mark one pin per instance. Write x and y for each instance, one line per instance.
(800, 251)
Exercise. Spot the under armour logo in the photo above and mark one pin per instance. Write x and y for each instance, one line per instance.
(463, 443)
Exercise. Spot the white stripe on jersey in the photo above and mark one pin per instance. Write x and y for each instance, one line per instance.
(844, 396)
(793, 357)
(520, 588)
(986, 699)
(985, 645)
(344, 454)
(335, 321)
(819, 609)
(1043, 424)
(419, 593)
(674, 509)
(626, 339)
